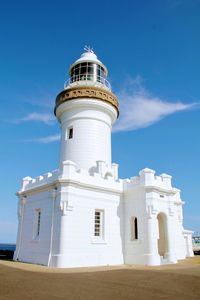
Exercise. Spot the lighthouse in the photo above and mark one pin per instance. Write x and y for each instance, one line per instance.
(83, 214)
(86, 110)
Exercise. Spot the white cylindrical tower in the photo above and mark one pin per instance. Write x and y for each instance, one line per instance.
(86, 109)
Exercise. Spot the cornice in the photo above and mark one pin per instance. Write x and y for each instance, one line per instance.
(69, 182)
(89, 93)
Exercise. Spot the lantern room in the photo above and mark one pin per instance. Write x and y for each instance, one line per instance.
(88, 70)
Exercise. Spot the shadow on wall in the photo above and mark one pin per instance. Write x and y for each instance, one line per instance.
(121, 220)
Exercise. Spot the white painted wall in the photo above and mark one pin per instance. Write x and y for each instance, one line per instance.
(92, 123)
(146, 196)
(67, 219)
(78, 195)
(78, 246)
(31, 248)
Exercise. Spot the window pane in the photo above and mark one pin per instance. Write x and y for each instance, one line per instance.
(83, 70)
(72, 72)
(76, 71)
(98, 223)
(70, 133)
(134, 228)
(90, 77)
(90, 70)
(98, 70)
(38, 223)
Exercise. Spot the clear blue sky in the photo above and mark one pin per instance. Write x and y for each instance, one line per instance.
(151, 49)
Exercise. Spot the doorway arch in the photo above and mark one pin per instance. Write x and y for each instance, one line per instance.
(162, 235)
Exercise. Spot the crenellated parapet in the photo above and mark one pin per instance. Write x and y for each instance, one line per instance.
(45, 179)
(148, 179)
(103, 176)
(100, 175)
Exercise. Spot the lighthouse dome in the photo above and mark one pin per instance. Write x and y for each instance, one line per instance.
(88, 70)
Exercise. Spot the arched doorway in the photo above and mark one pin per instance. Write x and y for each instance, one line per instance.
(162, 235)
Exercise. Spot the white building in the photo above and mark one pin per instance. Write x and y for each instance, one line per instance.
(82, 214)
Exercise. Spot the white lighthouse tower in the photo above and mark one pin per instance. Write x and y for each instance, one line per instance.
(86, 110)
(82, 214)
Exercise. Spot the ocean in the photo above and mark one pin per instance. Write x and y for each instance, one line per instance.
(7, 247)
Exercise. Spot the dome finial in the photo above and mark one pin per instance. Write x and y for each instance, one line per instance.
(88, 49)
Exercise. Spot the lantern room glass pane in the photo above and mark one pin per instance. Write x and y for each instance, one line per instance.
(88, 71)
(83, 69)
(90, 68)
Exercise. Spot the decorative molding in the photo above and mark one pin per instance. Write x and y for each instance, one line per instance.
(22, 201)
(87, 92)
(54, 193)
(65, 207)
(171, 211)
(151, 211)
(19, 210)
(71, 182)
(98, 241)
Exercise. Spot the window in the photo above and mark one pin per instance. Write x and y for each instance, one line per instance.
(88, 71)
(134, 228)
(37, 223)
(98, 223)
(70, 133)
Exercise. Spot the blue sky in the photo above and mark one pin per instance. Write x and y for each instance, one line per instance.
(151, 49)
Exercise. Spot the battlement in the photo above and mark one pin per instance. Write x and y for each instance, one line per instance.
(47, 178)
(98, 175)
(148, 178)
